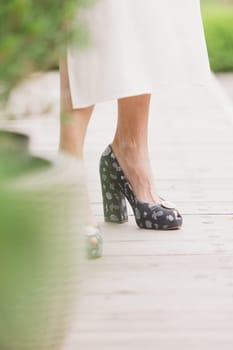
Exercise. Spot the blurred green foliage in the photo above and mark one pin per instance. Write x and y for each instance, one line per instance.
(218, 25)
(40, 251)
(33, 35)
(20, 257)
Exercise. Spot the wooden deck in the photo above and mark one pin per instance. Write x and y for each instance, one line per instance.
(163, 290)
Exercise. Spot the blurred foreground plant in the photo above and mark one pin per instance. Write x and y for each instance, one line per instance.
(41, 201)
(41, 245)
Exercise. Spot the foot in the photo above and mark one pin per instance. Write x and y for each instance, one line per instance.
(136, 166)
(94, 241)
(91, 222)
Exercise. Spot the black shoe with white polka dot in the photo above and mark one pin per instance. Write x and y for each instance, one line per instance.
(116, 189)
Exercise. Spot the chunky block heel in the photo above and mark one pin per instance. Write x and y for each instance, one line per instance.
(114, 203)
(116, 188)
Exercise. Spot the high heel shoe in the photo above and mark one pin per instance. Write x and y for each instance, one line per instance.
(116, 188)
(94, 242)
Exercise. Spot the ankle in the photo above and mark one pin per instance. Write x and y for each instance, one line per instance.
(130, 149)
(71, 149)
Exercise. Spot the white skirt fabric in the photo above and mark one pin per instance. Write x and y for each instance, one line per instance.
(138, 46)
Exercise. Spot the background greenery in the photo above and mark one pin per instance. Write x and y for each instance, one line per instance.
(218, 25)
(33, 35)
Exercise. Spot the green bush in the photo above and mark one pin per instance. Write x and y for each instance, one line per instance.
(218, 25)
(33, 34)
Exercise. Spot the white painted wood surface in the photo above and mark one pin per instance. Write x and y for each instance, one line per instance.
(162, 290)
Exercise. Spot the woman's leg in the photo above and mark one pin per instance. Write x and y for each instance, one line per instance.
(130, 145)
(73, 125)
(74, 122)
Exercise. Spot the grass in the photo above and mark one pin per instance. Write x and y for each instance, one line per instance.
(218, 25)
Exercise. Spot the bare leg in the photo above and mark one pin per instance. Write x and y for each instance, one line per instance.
(74, 122)
(73, 126)
(130, 145)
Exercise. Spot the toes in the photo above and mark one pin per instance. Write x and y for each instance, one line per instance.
(93, 241)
